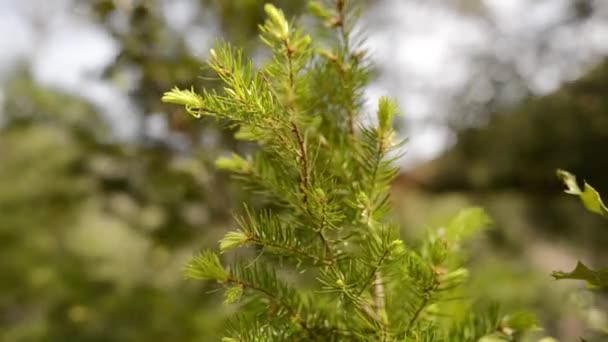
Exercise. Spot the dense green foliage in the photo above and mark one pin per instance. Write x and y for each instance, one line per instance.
(94, 229)
(91, 240)
(327, 261)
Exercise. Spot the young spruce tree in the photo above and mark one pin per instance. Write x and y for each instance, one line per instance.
(326, 262)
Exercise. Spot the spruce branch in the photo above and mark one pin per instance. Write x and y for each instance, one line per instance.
(426, 298)
(373, 275)
(346, 62)
(269, 232)
(294, 315)
(340, 23)
(297, 252)
(324, 179)
(327, 246)
(338, 281)
(303, 155)
(206, 266)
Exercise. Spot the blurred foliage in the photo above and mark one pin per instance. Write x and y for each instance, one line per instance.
(93, 235)
(517, 151)
(512, 262)
(507, 167)
(520, 147)
(94, 232)
(159, 53)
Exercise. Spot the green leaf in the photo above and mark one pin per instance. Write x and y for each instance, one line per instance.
(467, 223)
(594, 279)
(206, 266)
(590, 197)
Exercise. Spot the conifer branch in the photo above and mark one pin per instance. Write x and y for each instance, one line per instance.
(268, 231)
(330, 205)
(375, 278)
(417, 313)
(328, 248)
(303, 154)
(378, 156)
(340, 23)
(292, 250)
(279, 301)
(426, 298)
(290, 51)
(379, 135)
(372, 274)
(364, 308)
(379, 296)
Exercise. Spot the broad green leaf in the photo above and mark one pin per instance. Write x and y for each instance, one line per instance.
(594, 279)
(589, 196)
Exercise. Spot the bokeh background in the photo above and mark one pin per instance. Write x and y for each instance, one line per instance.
(105, 192)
